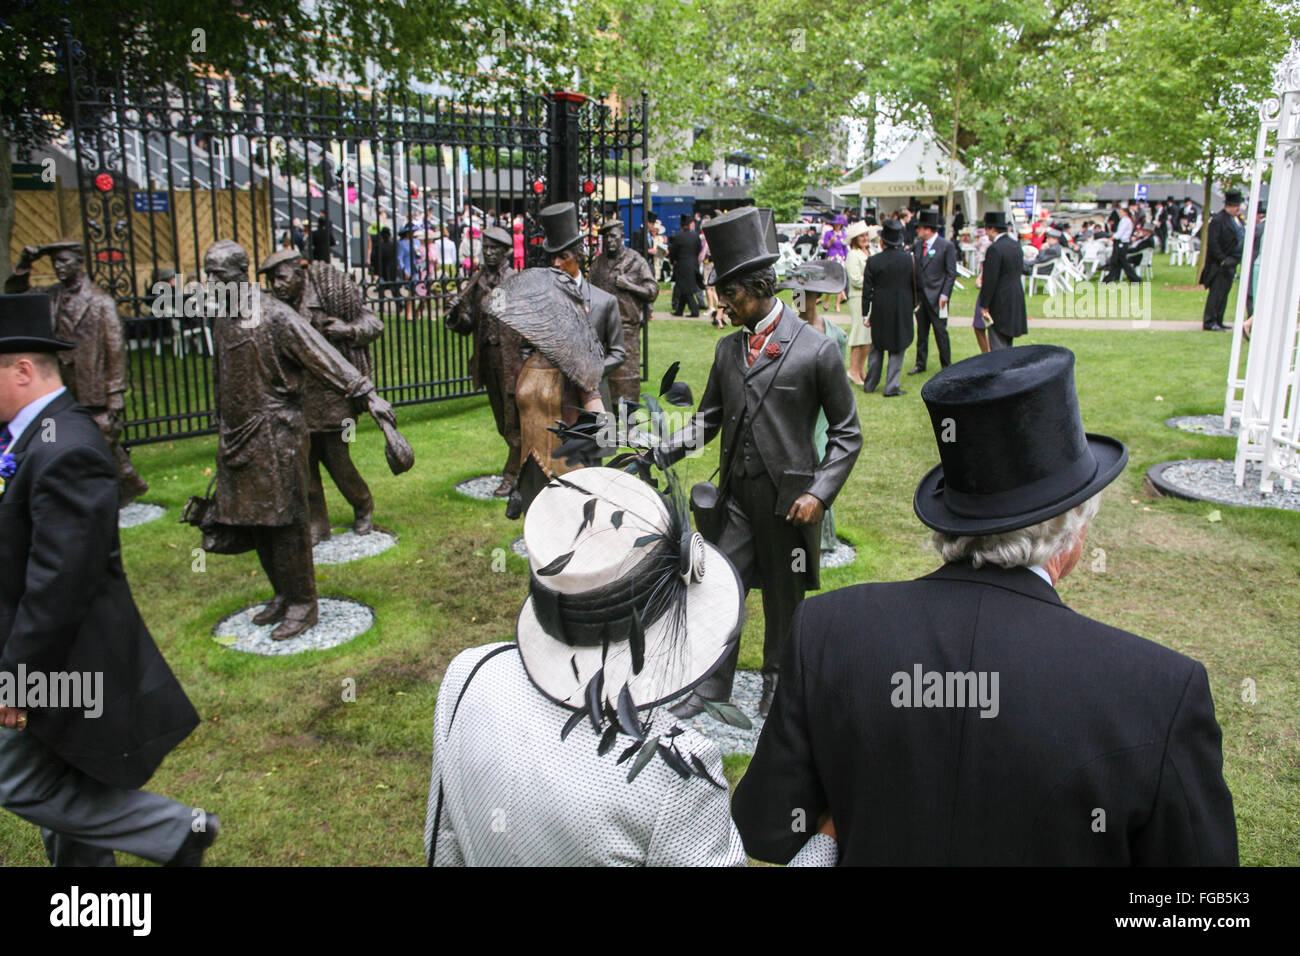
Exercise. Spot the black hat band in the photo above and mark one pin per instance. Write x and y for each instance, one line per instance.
(1024, 498)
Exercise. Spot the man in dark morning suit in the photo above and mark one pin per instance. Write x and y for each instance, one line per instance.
(1002, 298)
(888, 302)
(936, 271)
(74, 765)
(970, 717)
(769, 380)
(1223, 248)
(684, 253)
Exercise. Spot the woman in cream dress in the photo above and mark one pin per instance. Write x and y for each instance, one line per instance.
(859, 331)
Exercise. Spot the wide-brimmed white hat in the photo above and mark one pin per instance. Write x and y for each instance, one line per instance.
(857, 228)
(603, 550)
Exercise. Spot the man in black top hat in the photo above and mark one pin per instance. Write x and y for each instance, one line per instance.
(768, 381)
(684, 253)
(72, 761)
(1002, 298)
(936, 271)
(563, 243)
(888, 301)
(497, 357)
(1225, 241)
(969, 717)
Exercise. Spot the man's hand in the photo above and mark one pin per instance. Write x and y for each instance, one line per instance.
(943, 301)
(988, 316)
(13, 718)
(826, 825)
(807, 509)
(29, 255)
(380, 410)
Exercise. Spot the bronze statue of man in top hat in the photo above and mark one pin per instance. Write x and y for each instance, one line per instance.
(627, 277)
(324, 295)
(94, 369)
(495, 362)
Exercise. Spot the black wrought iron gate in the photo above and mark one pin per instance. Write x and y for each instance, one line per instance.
(163, 173)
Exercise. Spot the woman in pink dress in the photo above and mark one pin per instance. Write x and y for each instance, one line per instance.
(519, 241)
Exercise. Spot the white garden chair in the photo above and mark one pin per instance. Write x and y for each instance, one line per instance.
(1144, 264)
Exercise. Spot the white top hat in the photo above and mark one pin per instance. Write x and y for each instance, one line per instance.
(606, 556)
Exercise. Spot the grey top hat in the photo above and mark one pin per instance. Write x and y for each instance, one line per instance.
(740, 241)
(560, 224)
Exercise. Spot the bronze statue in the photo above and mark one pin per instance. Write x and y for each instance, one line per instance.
(496, 359)
(264, 352)
(94, 370)
(627, 277)
(325, 296)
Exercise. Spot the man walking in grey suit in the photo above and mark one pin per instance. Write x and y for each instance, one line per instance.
(936, 271)
(78, 742)
(768, 381)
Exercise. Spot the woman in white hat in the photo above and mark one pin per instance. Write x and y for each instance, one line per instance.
(859, 331)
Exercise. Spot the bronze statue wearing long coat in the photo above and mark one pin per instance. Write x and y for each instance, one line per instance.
(94, 370)
(627, 277)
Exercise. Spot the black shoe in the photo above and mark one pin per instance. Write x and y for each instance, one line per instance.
(514, 505)
(196, 842)
(769, 692)
(1216, 327)
(678, 314)
(897, 391)
(916, 371)
(273, 613)
(868, 391)
(691, 706)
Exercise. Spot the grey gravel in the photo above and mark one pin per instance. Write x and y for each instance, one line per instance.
(1208, 480)
(519, 548)
(138, 513)
(345, 546)
(1204, 425)
(341, 619)
(481, 487)
(746, 692)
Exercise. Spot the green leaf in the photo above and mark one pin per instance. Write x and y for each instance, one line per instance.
(641, 541)
(558, 565)
(643, 757)
(728, 714)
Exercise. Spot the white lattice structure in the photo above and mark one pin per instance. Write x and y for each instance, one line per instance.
(1269, 402)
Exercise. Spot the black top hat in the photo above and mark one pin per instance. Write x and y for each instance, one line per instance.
(26, 326)
(739, 243)
(995, 218)
(1233, 197)
(1011, 443)
(930, 219)
(891, 232)
(560, 223)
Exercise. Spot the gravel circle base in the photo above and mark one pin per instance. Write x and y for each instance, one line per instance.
(345, 546)
(480, 487)
(1204, 425)
(1200, 479)
(138, 513)
(519, 548)
(746, 691)
(843, 555)
(341, 619)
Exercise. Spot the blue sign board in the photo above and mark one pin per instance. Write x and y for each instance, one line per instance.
(150, 202)
(1140, 192)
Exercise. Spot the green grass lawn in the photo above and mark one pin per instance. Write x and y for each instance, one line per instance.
(300, 776)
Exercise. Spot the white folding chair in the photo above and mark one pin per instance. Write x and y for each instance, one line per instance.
(1144, 264)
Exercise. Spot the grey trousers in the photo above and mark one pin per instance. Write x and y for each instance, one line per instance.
(999, 341)
(82, 820)
(873, 371)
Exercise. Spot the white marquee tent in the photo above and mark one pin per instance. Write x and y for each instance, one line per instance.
(921, 170)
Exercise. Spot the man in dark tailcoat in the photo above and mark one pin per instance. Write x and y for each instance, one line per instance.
(94, 370)
(324, 295)
(1224, 243)
(73, 759)
(627, 277)
(495, 362)
(888, 299)
(768, 381)
(264, 351)
(969, 717)
(1002, 297)
(936, 271)
(684, 254)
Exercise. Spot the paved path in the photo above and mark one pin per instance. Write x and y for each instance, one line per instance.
(1122, 325)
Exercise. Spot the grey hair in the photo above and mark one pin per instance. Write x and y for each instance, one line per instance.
(1023, 548)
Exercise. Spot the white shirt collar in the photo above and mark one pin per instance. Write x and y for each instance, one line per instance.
(929, 243)
(28, 413)
(1039, 570)
(768, 320)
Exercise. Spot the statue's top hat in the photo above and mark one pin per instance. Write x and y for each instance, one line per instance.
(995, 218)
(498, 235)
(891, 232)
(1011, 442)
(560, 224)
(740, 241)
(930, 219)
(1233, 197)
(26, 326)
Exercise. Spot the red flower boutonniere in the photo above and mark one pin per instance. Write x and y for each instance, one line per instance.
(772, 350)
